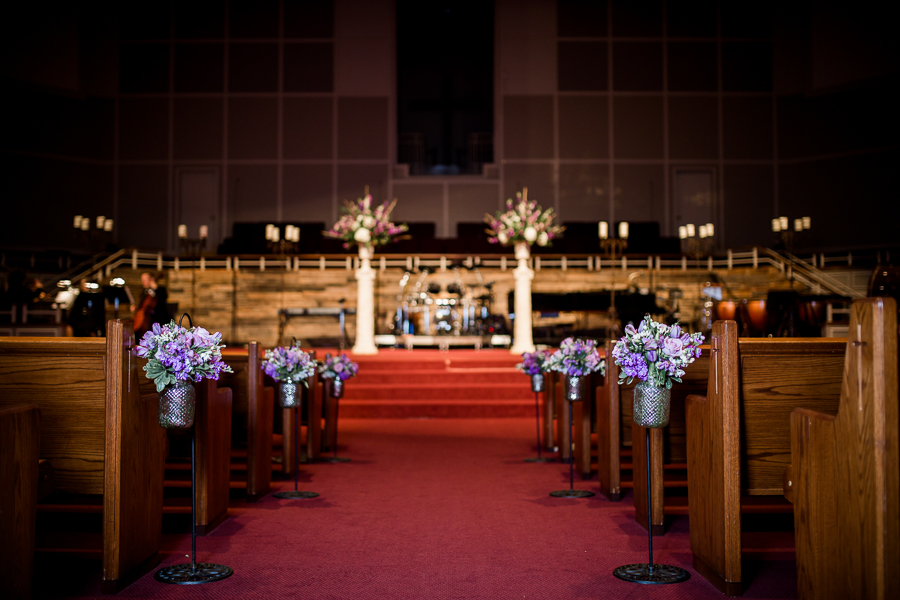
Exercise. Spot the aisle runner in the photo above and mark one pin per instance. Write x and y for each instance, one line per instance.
(437, 509)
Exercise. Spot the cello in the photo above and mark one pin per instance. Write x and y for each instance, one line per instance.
(143, 315)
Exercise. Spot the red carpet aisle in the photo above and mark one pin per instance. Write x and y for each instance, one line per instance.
(434, 509)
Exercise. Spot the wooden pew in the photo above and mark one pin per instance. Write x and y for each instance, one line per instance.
(844, 475)
(252, 416)
(563, 425)
(584, 415)
(19, 451)
(738, 435)
(212, 428)
(549, 399)
(609, 427)
(311, 405)
(99, 435)
(667, 445)
(330, 414)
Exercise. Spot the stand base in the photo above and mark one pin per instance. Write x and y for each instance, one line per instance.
(294, 495)
(571, 494)
(540, 459)
(183, 574)
(332, 459)
(640, 573)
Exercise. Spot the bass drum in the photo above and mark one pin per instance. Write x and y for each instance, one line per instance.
(421, 320)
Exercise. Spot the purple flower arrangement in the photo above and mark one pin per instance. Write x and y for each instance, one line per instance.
(656, 352)
(289, 364)
(338, 366)
(577, 358)
(178, 354)
(535, 363)
(362, 225)
(523, 221)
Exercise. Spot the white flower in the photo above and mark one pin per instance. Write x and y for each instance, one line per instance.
(368, 222)
(362, 235)
(543, 239)
(530, 234)
(501, 237)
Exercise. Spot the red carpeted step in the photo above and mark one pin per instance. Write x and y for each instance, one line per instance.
(442, 376)
(425, 390)
(435, 409)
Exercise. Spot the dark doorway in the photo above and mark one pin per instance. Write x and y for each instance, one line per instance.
(445, 64)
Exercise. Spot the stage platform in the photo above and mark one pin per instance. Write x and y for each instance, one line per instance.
(443, 342)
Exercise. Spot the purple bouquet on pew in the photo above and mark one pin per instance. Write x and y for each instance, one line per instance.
(363, 225)
(535, 363)
(178, 354)
(340, 367)
(656, 352)
(576, 358)
(289, 364)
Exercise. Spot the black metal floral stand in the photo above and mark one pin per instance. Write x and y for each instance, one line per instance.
(193, 573)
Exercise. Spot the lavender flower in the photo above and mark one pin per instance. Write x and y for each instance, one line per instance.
(655, 352)
(535, 363)
(577, 358)
(291, 363)
(178, 354)
(340, 367)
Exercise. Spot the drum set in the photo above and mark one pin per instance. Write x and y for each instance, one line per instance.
(429, 305)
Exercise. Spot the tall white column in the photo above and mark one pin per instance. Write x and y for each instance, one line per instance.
(365, 305)
(522, 340)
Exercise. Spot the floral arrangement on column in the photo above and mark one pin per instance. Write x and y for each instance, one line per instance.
(177, 354)
(289, 364)
(577, 358)
(524, 221)
(367, 226)
(338, 367)
(656, 352)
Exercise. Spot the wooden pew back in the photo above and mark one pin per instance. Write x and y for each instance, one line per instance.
(253, 406)
(844, 475)
(667, 445)
(19, 442)
(738, 435)
(98, 433)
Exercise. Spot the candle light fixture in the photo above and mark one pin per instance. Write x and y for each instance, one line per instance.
(92, 232)
(277, 245)
(787, 237)
(611, 247)
(696, 241)
(192, 246)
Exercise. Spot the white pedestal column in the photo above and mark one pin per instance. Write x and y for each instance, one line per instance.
(522, 340)
(365, 305)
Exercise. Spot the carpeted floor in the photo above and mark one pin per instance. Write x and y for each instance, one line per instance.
(429, 508)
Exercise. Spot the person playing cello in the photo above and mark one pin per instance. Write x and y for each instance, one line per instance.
(152, 307)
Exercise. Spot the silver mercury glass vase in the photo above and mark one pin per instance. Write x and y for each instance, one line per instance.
(537, 382)
(576, 387)
(651, 405)
(176, 406)
(337, 387)
(288, 394)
